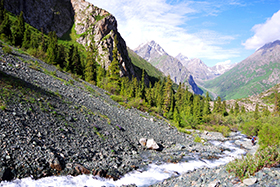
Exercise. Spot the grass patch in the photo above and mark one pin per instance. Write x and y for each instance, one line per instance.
(249, 165)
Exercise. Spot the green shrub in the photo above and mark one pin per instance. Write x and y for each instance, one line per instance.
(247, 166)
(270, 134)
(117, 98)
(225, 130)
(197, 139)
(251, 128)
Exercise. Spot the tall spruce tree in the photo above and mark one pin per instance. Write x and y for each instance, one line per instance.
(52, 48)
(256, 113)
(206, 107)
(19, 30)
(91, 64)
(5, 27)
(236, 108)
(26, 38)
(168, 94)
(114, 70)
(2, 13)
(101, 74)
(142, 86)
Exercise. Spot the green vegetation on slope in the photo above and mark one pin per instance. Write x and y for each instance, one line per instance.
(143, 64)
(241, 82)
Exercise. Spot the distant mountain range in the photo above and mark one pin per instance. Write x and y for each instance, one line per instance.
(200, 71)
(255, 74)
(155, 54)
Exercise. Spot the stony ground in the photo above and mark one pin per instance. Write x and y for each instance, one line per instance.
(52, 123)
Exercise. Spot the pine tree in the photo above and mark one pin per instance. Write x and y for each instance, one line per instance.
(149, 95)
(224, 109)
(236, 108)
(114, 70)
(134, 87)
(61, 55)
(266, 112)
(19, 30)
(101, 74)
(142, 86)
(256, 113)
(243, 110)
(52, 48)
(206, 107)
(177, 117)
(2, 13)
(26, 38)
(231, 110)
(90, 69)
(196, 107)
(5, 27)
(168, 94)
(276, 102)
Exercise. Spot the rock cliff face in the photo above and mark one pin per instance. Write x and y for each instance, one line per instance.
(154, 54)
(90, 23)
(51, 15)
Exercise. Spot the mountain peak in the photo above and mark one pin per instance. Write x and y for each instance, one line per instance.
(270, 45)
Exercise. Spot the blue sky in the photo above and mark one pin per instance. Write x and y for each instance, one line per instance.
(216, 31)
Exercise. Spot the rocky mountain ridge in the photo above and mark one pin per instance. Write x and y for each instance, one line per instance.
(255, 74)
(155, 54)
(90, 23)
(200, 70)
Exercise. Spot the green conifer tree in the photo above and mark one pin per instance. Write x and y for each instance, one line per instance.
(142, 86)
(196, 107)
(101, 74)
(114, 70)
(236, 108)
(2, 13)
(52, 48)
(26, 38)
(243, 110)
(206, 107)
(168, 94)
(266, 112)
(19, 30)
(91, 64)
(256, 113)
(5, 27)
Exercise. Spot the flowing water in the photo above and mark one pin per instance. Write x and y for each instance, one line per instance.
(151, 175)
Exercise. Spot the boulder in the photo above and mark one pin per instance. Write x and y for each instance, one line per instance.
(151, 144)
(214, 184)
(81, 169)
(143, 141)
(250, 181)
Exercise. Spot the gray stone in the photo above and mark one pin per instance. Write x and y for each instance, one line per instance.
(143, 141)
(214, 184)
(151, 144)
(250, 181)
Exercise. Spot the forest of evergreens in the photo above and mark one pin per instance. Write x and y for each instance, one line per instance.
(181, 107)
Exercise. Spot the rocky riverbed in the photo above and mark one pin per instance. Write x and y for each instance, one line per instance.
(54, 124)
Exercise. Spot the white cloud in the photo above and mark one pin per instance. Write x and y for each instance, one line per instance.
(145, 20)
(227, 62)
(264, 33)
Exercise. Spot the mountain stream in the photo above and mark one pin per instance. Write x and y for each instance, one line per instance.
(152, 174)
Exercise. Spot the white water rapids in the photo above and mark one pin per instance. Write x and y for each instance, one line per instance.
(154, 173)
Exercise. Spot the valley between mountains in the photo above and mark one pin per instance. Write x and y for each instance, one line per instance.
(78, 104)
